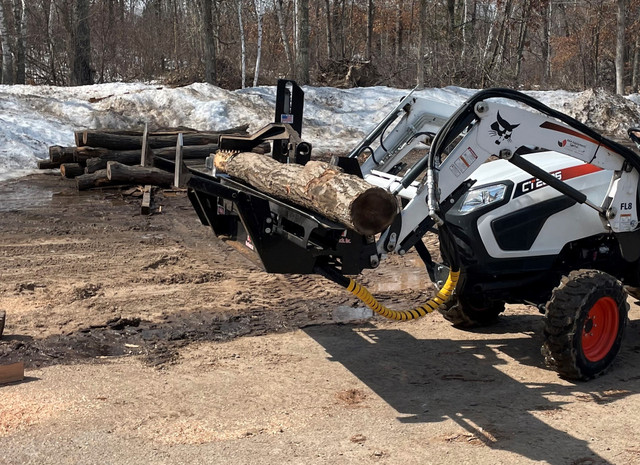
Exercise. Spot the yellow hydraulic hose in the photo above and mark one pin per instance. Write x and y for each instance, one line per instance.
(443, 295)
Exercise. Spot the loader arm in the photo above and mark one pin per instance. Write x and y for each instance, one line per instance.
(490, 128)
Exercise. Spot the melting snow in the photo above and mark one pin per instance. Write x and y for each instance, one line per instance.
(34, 117)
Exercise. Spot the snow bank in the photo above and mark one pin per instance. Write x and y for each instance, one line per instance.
(34, 117)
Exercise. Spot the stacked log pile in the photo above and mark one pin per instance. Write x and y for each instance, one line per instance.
(110, 157)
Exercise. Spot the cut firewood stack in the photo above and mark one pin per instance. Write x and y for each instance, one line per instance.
(111, 157)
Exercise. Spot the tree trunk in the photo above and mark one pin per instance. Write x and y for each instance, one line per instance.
(82, 74)
(260, 13)
(123, 174)
(7, 52)
(522, 37)
(636, 60)
(243, 46)
(422, 43)
(318, 186)
(21, 32)
(210, 71)
(302, 45)
(620, 48)
(285, 37)
(546, 44)
(370, 13)
(465, 28)
(397, 50)
(328, 30)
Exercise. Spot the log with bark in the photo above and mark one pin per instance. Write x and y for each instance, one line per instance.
(47, 165)
(129, 142)
(318, 186)
(58, 154)
(123, 174)
(79, 136)
(89, 181)
(71, 170)
(132, 157)
(128, 157)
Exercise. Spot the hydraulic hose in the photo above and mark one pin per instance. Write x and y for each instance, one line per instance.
(365, 296)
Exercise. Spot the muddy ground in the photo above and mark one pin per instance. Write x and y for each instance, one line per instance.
(146, 340)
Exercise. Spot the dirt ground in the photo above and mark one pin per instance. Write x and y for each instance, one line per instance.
(146, 340)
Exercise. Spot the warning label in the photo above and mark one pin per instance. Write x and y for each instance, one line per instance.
(463, 162)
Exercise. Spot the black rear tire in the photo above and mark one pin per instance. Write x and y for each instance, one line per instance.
(584, 324)
(464, 315)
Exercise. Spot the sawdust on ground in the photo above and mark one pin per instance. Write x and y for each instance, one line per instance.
(147, 340)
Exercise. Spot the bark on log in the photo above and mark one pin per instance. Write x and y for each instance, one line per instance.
(95, 164)
(71, 170)
(97, 179)
(189, 152)
(123, 174)
(129, 142)
(318, 186)
(127, 157)
(132, 157)
(47, 165)
(59, 154)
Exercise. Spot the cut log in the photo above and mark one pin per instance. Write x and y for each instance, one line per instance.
(318, 186)
(128, 142)
(71, 170)
(123, 174)
(48, 165)
(11, 373)
(95, 164)
(189, 152)
(89, 181)
(127, 157)
(59, 154)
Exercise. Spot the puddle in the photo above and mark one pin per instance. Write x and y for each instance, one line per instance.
(21, 194)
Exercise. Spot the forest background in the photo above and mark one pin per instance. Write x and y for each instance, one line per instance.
(531, 44)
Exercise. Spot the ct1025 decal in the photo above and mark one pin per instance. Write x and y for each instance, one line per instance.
(530, 185)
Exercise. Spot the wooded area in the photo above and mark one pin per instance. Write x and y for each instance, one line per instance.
(233, 43)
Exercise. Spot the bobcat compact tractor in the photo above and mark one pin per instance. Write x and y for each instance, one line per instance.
(530, 206)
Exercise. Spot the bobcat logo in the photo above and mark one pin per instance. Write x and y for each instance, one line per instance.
(503, 129)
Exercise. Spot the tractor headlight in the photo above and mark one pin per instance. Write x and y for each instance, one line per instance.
(482, 196)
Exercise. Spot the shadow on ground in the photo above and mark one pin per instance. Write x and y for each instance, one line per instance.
(468, 381)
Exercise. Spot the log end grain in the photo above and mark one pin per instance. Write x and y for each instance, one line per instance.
(373, 211)
(71, 170)
(221, 159)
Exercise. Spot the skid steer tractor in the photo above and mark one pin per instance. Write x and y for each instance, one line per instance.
(530, 207)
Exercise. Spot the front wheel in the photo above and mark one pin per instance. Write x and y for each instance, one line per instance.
(465, 315)
(584, 324)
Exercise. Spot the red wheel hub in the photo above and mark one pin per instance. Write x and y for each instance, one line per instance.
(600, 329)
